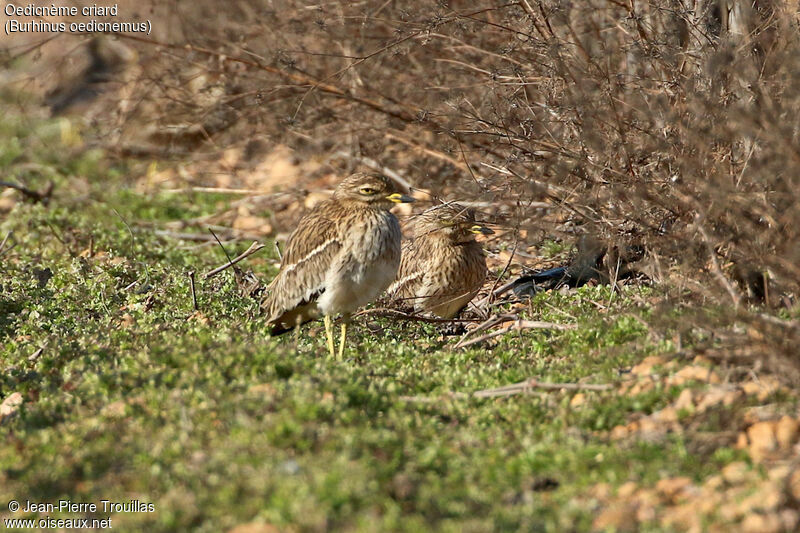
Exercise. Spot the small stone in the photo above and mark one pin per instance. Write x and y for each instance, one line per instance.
(708, 503)
(127, 321)
(790, 519)
(667, 414)
(672, 488)
(327, 398)
(646, 366)
(713, 483)
(10, 405)
(619, 432)
(254, 527)
(757, 523)
(7, 201)
(786, 432)
(685, 517)
(640, 387)
(762, 441)
(618, 517)
(601, 491)
(578, 400)
(252, 223)
(779, 473)
(645, 513)
(767, 497)
(200, 317)
(717, 396)
(650, 429)
(729, 511)
(626, 386)
(793, 485)
(736, 473)
(695, 373)
(685, 400)
(741, 441)
(626, 490)
(761, 389)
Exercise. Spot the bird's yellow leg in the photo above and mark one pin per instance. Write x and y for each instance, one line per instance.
(342, 339)
(329, 335)
(296, 336)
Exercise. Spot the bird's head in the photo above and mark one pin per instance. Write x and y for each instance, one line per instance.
(371, 189)
(452, 220)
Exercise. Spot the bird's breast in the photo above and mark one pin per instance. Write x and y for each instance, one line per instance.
(366, 265)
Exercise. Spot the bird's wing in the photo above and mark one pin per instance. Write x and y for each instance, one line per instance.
(410, 273)
(310, 251)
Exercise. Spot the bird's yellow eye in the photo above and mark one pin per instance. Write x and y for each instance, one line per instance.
(368, 191)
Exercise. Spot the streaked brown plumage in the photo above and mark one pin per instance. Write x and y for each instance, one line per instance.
(443, 267)
(342, 255)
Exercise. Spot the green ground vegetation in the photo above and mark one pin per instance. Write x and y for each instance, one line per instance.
(129, 393)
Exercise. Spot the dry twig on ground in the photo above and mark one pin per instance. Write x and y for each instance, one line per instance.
(254, 247)
(523, 387)
(518, 325)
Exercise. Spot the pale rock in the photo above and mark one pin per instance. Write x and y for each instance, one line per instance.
(713, 483)
(249, 223)
(672, 488)
(601, 491)
(667, 414)
(767, 497)
(645, 513)
(254, 527)
(640, 387)
(702, 360)
(786, 432)
(761, 440)
(741, 441)
(627, 489)
(685, 517)
(695, 373)
(793, 485)
(578, 400)
(736, 473)
(685, 400)
(790, 519)
(7, 203)
(757, 523)
(646, 366)
(10, 405)
(619, 432)
(779, 473)
(761, 389)
(618, 517)
(708, 503)
(716, 397)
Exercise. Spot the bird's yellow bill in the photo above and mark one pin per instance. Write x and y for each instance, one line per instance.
(399, 198)
(483, 230)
